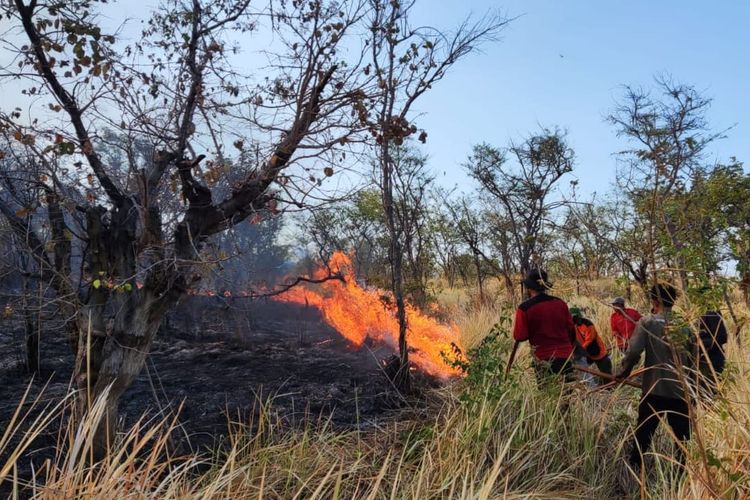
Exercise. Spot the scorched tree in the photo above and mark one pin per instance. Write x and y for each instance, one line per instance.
(184, 90)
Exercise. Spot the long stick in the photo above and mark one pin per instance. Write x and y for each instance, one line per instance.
(606, 376)
(511, 359)
(613, 383)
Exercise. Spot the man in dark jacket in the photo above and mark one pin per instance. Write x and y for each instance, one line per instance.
(663, 394)
(712, 333)
(544, 320)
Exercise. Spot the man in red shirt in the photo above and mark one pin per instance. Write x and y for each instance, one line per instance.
(622, 322)
(544, 320)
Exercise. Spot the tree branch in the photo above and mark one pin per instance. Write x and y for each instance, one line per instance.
(67, 101)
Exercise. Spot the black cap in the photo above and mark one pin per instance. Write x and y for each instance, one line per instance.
(536, 279)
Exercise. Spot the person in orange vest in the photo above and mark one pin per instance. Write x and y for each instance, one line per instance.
(591, 348)
(622, 322)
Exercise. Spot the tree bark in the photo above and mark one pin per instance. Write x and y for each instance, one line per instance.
(31, 331)
(395, 256)
(480, 278)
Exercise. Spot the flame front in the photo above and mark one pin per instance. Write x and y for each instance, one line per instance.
(358, 313)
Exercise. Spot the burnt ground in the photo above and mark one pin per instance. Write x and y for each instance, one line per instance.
(218, 357)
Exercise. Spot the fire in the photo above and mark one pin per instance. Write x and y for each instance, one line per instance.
(358, 313)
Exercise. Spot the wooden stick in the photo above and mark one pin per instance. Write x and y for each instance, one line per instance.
(602, 387)
(615, 382)
(511, 359)
(607, 376)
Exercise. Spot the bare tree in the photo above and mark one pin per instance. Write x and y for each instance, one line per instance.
(411, 183)
(141, 226)
(445, 240)
(407, 62)
(524, 193)
(669, 135)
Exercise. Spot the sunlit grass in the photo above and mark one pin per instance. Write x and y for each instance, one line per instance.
(524, 443)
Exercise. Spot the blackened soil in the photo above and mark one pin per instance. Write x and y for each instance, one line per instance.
(220, 358)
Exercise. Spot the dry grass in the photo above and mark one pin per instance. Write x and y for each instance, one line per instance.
(521, 443)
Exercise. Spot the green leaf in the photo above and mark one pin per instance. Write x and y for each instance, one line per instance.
(96, 283)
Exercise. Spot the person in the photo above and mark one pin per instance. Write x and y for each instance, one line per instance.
(590, 348)
(622, 322)
(709, 353)
(663, 395)
(545, 321)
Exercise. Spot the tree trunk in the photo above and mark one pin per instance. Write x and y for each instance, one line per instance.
(31, 330)
(480, 278)
(745, 287)
(109, 360)
(510, 288)
(450, 274)
(628, 287)
(402, 380)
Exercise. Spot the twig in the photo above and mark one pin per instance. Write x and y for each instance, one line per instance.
(607, 376)
(511, 358)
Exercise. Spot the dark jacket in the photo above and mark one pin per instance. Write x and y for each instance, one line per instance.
(544, 320)
(713, 336)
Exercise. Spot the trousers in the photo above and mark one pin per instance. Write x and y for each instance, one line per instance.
(651, 410)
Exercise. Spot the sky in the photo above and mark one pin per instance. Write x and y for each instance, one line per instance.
(563, 63)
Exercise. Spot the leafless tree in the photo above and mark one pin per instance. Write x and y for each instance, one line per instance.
(669, 134)
(524, 192)
(141, 224)
(407, 62)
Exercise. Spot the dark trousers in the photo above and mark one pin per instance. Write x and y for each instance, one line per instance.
(545, 369)
(651, 410)
(604, 365)
(704, 377)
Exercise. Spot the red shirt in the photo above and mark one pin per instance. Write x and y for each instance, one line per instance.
(623, 326)
(546, 323)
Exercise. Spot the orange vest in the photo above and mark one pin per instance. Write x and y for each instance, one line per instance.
(590, 339)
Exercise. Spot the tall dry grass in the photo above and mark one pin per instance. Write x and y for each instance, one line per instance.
(507, 439)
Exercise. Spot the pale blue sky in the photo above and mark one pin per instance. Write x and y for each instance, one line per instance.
(563, 63)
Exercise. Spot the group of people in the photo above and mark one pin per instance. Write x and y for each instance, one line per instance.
(675, 357)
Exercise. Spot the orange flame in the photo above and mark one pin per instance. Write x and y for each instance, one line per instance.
(358, 313)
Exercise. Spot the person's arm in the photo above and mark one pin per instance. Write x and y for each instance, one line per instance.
(637, 316)
(520, 327)
(635, 349)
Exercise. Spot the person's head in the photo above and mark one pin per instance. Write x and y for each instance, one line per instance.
(577, 313)
(663, 296)
(618, 304)
(536, 281)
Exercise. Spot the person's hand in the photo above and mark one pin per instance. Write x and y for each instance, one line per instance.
(623, 373)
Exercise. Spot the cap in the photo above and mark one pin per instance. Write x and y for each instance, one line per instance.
(619, 301)
(536, 279)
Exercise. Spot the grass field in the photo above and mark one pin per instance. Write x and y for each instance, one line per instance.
(484, 438)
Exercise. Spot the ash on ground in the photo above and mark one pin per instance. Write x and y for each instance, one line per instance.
(219, 358)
